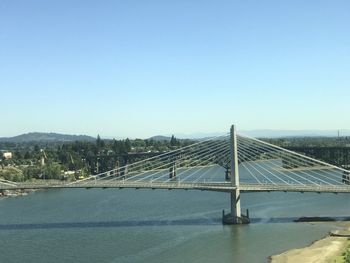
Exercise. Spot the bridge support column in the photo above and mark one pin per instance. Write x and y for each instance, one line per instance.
(172, 171)
(235, 217)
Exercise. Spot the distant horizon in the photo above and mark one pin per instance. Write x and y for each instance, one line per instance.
(269, 133)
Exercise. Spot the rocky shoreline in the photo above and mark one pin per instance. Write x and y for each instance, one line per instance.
(15, 193)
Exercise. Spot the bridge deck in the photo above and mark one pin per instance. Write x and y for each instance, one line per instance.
(210, 186)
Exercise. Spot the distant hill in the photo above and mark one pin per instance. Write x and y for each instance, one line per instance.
(295, 133)
(160, 138)
(46, 137)
(168, 138)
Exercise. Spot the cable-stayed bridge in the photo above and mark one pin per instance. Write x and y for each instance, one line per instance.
(230, 163)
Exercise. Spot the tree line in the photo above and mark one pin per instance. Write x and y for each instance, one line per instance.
(333, 150)
(73, 160)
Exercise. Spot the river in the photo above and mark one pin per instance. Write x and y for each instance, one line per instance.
(113, 225)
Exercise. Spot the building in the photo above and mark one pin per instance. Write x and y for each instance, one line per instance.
(7, 155)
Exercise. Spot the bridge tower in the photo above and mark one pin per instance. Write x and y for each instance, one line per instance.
(235, 217)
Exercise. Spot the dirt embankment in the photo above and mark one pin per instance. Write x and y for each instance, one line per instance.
(324, 250)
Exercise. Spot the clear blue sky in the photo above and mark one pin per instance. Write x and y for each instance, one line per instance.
(144, 67)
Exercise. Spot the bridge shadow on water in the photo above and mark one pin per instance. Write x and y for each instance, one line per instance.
(162, 223)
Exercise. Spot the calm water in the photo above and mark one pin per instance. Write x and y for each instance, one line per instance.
(115, 225)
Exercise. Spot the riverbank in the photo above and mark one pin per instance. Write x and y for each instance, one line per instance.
(14, 193)
(328, 249)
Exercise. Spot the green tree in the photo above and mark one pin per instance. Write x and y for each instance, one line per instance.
(52, 171)
(36, 148)
(174, 141)
(99, 143)
(127, 145)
